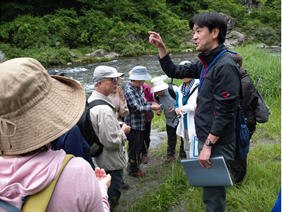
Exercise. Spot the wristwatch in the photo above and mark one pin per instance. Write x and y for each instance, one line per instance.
(208, 142)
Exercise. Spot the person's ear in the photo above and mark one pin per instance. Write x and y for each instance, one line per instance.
(215, 33)
(99, 83)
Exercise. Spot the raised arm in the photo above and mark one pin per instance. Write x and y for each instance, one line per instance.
(157, 41)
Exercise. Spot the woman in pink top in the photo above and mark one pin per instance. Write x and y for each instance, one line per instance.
(35, 110)
(146, 89)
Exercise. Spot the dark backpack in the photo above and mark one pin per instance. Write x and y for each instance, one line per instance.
(262, 111)
(249, 98)
(87, 131)
(170, 90)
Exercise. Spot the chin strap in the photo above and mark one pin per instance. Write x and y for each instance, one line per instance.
(4, 129)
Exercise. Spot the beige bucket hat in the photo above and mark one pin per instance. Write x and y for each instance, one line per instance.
(157, 84)
(35, 108)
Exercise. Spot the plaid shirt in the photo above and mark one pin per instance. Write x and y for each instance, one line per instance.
(137, 107)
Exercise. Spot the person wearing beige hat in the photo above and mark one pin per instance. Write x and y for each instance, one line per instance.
(108, 130)
(163, 97)
(35, 110)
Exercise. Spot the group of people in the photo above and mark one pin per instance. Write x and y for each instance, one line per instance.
(38, 109)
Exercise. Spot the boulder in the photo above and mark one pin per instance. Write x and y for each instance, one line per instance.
(229, 20)
(58, 43)
(112, 55)
(130, 36)
(268, 33)
(97, 53)
(74, 55)
(234, 38)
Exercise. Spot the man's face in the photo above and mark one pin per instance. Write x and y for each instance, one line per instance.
(109, 86)
(160, 93)
(205, 40)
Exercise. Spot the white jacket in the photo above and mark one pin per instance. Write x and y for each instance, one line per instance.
(189, 109)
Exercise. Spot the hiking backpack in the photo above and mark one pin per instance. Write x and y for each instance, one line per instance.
(262, 111)
(87, 131)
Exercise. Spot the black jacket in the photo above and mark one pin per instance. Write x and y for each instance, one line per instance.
(217, 100)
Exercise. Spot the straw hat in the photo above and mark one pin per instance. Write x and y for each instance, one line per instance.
(157, 84)
(36, 108)
(239, 60)
(139, 73)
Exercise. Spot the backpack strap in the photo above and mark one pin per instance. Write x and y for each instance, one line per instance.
(39, 201)
(157, 97)
(197, 85)
(96, 102)
(171, 91)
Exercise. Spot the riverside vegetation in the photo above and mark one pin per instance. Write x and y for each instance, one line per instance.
(50, 30)
(166, 188)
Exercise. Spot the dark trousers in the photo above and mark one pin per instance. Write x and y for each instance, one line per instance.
(114, 190)
(135, 142)
(172, 140)
(147, 139)
(239, 167)
(214, 197)
(182, 152)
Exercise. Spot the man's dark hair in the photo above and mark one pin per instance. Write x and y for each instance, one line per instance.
(210, 20)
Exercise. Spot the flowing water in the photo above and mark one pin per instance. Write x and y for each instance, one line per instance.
(84, 72)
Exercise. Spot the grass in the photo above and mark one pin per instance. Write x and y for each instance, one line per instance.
(259, 189)
(257, 192)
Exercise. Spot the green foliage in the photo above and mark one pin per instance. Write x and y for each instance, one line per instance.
(265, 66)
(11, 52)
(123, 26)
(132, 50)
(47, 55)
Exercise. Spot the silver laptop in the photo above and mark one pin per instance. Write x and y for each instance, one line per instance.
(216, 175)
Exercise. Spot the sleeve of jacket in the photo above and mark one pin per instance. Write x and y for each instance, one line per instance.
(106, 127)
(226, 95)
(123, 109)
(188, 70)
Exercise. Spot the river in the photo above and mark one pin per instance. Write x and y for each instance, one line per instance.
(84, 72)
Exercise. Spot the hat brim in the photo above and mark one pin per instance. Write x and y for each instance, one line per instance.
(140, 77)
(159, 88)
(55, 114)
(113, 75)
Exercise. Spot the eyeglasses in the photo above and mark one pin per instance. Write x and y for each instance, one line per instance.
(112, 79)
